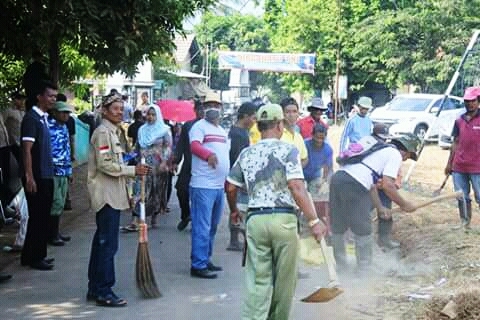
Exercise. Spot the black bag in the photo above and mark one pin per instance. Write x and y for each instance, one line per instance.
(358, 157)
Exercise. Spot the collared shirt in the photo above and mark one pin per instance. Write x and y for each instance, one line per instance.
(34, 129)
(297, 140)
(107, 172)
(60, 142)
(13, 119)
(467, 150)
(264, 169)
(356, 128)
(306, 126)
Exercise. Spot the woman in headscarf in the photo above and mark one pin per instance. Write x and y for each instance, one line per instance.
(155, 145)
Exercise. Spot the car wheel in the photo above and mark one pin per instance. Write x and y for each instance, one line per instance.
(420, 131)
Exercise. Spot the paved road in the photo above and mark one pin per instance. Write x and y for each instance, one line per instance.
(60, 293)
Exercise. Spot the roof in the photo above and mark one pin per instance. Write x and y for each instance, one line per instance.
(183, 45)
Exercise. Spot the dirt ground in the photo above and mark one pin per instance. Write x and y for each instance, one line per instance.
(437, 261)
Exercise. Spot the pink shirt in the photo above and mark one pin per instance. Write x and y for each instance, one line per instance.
(467, 151)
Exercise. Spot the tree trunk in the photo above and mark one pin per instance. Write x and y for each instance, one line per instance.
(54, 55)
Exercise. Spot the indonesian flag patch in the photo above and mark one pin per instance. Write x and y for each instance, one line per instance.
(104, 149)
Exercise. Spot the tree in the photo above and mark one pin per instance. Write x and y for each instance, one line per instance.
(115, 34)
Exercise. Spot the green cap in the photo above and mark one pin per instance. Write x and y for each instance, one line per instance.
(410, 142)
(62, 106)
(270, 112)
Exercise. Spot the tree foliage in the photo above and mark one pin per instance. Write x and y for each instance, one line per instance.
(385, 41)
(115, 34)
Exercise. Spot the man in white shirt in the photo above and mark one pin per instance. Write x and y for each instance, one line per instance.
(352, 189)
(210, 166)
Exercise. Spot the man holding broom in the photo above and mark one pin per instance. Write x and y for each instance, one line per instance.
(108, 194)
(271, 172)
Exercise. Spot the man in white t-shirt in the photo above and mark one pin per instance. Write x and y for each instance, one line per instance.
(210, 167)
(352, 189)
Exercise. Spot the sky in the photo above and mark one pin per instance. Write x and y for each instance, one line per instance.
(243, 6)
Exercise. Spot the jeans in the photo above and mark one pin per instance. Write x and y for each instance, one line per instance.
(462, 181)
(206, 211)
(101, 269)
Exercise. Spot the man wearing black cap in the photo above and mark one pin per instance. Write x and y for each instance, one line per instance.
(316, 110)
(239, 140)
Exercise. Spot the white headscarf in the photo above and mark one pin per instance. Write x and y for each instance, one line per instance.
(151, 132)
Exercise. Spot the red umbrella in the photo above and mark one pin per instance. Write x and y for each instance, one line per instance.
(177, 110)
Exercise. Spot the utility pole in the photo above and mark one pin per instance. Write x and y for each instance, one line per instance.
(337, 69)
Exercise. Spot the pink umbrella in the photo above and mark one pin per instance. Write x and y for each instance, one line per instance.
(177, 110)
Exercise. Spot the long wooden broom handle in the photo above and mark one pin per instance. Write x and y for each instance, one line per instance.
(425, 203)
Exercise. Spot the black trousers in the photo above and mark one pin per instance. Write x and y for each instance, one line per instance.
(39, 206)
(184, 201)
(53, 227)
(350, 205)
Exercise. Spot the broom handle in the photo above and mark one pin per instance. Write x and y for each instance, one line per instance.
(332, 273)
(142, 195)
(433, 200)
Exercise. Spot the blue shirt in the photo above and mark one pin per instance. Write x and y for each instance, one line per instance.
(356, 128)
(127, 112)
(317, 158)
(34, 129)
(60, 142)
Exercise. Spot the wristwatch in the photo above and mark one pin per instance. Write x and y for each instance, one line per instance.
(313, 222)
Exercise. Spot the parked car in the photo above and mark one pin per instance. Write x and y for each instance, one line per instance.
(445, 126)
(415, 113)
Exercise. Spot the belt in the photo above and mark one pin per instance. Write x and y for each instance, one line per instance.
(268, 210)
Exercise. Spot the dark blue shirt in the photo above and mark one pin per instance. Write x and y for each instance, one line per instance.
(239, 140)
(34, 128)
(317, 158)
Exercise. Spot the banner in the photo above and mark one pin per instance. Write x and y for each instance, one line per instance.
(261, 61)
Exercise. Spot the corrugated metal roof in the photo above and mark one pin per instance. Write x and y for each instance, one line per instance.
(183, 45)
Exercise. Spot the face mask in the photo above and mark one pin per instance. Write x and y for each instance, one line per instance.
(212, 114)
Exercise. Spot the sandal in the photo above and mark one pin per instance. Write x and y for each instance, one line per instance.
(130, 228)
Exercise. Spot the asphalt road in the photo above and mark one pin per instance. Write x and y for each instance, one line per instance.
(60, 293)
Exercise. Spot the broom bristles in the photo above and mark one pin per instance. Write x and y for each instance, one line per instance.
(145, 276)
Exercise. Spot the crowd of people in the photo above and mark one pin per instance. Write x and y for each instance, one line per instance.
(276, 170)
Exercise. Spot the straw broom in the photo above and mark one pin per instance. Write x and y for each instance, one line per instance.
(143, 268)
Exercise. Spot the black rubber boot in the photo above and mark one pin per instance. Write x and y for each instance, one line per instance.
(339, 251)
(384, 231)
(468, 214)
(364, 254)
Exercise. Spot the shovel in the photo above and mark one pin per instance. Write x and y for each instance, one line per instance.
(437, 192)
(332, 290)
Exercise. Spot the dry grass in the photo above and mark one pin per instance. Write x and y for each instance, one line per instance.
(432, 249)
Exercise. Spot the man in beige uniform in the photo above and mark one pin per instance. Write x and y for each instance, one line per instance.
(107, 187)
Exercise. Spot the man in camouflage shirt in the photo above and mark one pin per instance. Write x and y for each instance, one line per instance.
(62, 168)
(272, 174)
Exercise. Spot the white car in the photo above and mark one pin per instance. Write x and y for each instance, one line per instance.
(416, 112)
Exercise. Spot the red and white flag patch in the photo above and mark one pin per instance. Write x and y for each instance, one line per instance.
(104, 149)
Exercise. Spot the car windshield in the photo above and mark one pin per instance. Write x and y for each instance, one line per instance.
(408, 104)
